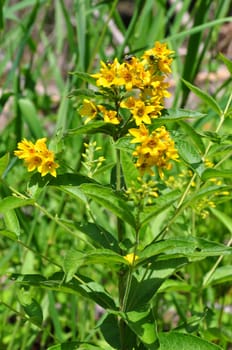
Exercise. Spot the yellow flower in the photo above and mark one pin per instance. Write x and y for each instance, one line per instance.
(129, 102)
(25, 149)
(141, 112)
(88, 109)
(108, 74)
(159, 56)
(131, 257)
(140, 134)
(48, 166)
(155, 149)
(32, 162)
(109, 116)
(37, 156)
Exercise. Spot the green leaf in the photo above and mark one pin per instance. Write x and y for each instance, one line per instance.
(31, 307)
(189, 247)
(100, 237)
(9, 234)
(161, 203)
(190, 155)
(75, 259)
(225, 219)
(110, 330)
(82, 93)
(9, 203)
(124, 144)
(221, 275)
(144, 289)
(4, 160)
(11, 221)
(227, 62)
(194, 136)
(111, 200)
(70, 180)
(143, 324)
(177, 114)
(130, 172)
(92, 128)
(205, 192)
(204, 97)
(75, 346)
(30, 116)
(212, 173)
(66, 346)
(84, 76)
(87, 288)
(180, 341)
(4, 98)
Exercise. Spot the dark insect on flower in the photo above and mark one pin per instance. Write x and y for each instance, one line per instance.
(153, 58)
(128, 58)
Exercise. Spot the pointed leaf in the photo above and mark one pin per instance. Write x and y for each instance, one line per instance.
(92, 128)
(31, 307)
(144, 289)
(82, 93)
(204, 97)
(11, 222)
(189, 247)
(3, 163)
(143, 325)
(70, 180)
(74, 259)
(84, 76)
(225, 219)
(100, 237)
(9, 234)
(87, 288)
(72, 345)
(130, 172)
(30, 116)
(190, 155)
(177, 114)
(227, 62)
(180, 341)
(124, 144)
(205, 192)
(221, 275)
(211, 173)
(11, 202)
(111, 200)
(110, 331)
(194, 136)
(161, 203)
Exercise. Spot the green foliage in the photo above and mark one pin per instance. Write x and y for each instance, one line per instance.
(103, 256)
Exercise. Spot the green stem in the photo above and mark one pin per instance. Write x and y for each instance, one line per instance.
(213, 269)
(53, 218)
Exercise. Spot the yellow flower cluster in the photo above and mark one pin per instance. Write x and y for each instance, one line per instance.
(37, 156)
(137, 85)
(156, 148)
(142, 77)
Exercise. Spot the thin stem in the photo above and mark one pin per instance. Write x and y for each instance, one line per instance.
(118, 188)
(213, 269)
(127, 291)
(53, 218)
(27, 318)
